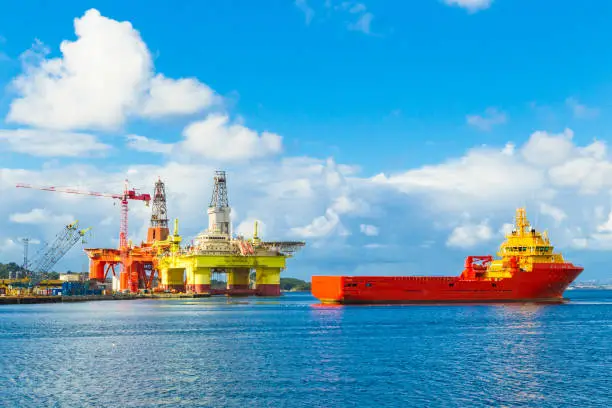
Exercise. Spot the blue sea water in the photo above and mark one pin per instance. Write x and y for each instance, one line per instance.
(291, 352)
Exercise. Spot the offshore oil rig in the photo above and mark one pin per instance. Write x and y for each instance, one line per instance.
(161, 264)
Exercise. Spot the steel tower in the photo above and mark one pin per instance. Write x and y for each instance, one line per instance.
(158, 228)
(159, 213)
(219, 210)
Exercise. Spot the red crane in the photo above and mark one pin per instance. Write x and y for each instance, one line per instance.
(124, 197)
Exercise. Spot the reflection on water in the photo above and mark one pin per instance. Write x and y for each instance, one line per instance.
(291, 352)
(518, 340)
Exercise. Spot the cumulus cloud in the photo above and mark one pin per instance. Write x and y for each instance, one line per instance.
(483, 178)
(216, 138)
(144, 144)
(320, 226)
(546, 149)
(102, 77)
(469, 235)
(49, 143)
(470, 5)
(486, 121)
(176, 97)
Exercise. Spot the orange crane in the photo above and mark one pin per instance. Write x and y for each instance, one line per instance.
(123, 231)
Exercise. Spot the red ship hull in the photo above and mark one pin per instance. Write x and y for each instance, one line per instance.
(545, 283)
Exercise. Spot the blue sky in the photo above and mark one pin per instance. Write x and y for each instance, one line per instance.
(346, 91)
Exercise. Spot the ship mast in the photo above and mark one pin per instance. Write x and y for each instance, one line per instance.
(521, 221)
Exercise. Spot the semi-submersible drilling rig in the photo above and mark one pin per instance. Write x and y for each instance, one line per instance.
(189, 269)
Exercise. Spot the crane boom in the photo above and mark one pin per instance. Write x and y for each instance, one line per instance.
(127, 194)
(51, 254)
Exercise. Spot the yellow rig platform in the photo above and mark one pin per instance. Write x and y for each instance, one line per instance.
(191, 269)
(215, 252)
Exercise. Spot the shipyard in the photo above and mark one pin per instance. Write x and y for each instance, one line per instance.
(215, 263)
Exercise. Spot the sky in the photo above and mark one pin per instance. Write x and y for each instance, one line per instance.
(393, 138)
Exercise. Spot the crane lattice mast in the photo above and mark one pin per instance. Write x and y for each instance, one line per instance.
(48, 256)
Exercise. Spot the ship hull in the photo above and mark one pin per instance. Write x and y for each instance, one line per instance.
(545, 283)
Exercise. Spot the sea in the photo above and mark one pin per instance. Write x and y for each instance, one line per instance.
(293, 352)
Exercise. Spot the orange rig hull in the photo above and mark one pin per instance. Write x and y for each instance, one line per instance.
(545, 283)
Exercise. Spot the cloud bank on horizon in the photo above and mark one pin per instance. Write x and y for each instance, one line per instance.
(81, 103)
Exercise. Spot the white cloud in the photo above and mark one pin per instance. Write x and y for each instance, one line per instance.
(490, 118)
(306, 9)
(369, 230)
(506, 228)
(556, 213)
(581, 111)
(606, 226)
(469, 235)
(470, 5)
(176, 97)
(144, 144)
(48, 143)
(320, 226)
(40, 216)
(216, 138)
(483, 178)
(103, 76)
(546, 149)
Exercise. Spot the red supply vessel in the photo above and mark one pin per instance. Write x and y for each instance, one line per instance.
(528, 271)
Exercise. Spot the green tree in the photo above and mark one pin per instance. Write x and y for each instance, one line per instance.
(8, 269)
(294, 285)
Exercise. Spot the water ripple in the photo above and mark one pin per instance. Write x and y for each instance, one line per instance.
(294, 353)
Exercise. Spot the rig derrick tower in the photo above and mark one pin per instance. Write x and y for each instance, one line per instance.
(219, 209)
(158, 228)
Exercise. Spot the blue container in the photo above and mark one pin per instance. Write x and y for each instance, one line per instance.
(73, 289)
(56, 291)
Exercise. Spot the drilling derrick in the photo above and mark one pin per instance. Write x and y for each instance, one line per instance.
(158, 229)
(219, 210)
